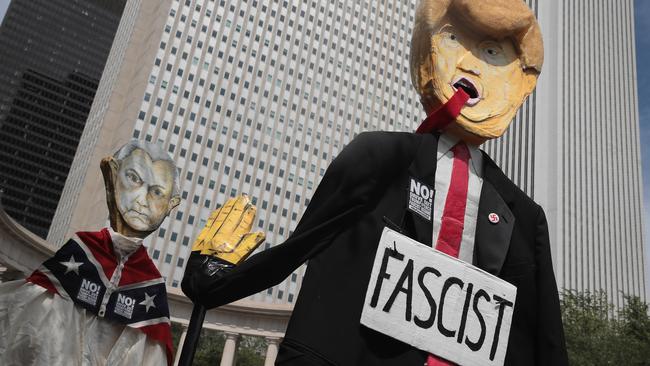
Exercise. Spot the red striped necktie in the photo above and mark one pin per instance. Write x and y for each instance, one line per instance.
(453, 216)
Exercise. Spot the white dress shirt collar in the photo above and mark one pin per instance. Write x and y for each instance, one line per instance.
(446, 142)
(124, 246)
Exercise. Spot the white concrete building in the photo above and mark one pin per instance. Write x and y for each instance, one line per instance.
(587, 169)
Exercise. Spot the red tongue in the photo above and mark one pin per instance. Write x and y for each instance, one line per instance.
(444, 115)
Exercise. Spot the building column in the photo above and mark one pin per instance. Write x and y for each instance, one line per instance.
(271, 350)
(180, 345)
(229, 349)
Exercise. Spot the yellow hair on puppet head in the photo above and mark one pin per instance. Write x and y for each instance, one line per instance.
(498, 19)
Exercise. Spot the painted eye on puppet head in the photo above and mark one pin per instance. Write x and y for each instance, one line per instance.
(157, 192)
(449, 37)
(492, 52)
(133, 177)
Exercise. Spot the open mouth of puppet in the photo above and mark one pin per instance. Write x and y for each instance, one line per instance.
(469, 88)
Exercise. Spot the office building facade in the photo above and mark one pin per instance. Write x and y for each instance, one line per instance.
(53, 54)
(588, 154)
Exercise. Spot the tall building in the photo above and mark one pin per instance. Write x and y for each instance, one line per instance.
(53, 53)
(587, 159)
(258, 98)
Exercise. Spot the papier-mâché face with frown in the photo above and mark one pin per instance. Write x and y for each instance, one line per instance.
(141, 188)
(491, 49)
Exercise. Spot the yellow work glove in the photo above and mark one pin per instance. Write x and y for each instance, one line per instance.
(227, 235)
(224, 242)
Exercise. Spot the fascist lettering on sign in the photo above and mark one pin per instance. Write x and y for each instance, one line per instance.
(438, 303)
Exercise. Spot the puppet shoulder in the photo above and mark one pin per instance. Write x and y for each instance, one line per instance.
(380, 149)
(522, 205)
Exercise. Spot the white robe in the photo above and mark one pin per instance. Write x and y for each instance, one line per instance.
(39, 328)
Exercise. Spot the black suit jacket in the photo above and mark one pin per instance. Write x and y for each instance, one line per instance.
(365, 188)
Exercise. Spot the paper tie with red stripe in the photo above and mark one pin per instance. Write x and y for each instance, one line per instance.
(453, 216)
(443, 116)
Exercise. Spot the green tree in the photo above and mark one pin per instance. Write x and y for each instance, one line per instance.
(635, 330)
(251, 351)
(209, 348)
(177, 330)
(598, 335)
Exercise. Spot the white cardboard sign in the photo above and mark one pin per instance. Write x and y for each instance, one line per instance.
(438, 303)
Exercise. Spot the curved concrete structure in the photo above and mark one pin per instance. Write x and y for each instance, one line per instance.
(21, 252)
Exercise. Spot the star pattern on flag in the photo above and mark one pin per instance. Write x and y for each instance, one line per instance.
(71, 266)
(148, 301)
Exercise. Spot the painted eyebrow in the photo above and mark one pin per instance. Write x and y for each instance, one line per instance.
(134, 171)
(153, 186)
(446, 27)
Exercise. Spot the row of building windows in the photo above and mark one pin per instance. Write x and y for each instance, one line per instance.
(217, 101)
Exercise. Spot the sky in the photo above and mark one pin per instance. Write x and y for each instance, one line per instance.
(642, 26)
(3, 8)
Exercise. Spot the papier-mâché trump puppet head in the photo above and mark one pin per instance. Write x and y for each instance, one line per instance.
(492, 49)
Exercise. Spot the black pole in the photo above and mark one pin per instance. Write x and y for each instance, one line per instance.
(192, 336)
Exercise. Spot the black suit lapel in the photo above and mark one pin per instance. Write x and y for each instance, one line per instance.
(422, 168)
(492, 240)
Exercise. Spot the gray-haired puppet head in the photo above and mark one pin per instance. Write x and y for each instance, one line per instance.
(141, 187)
